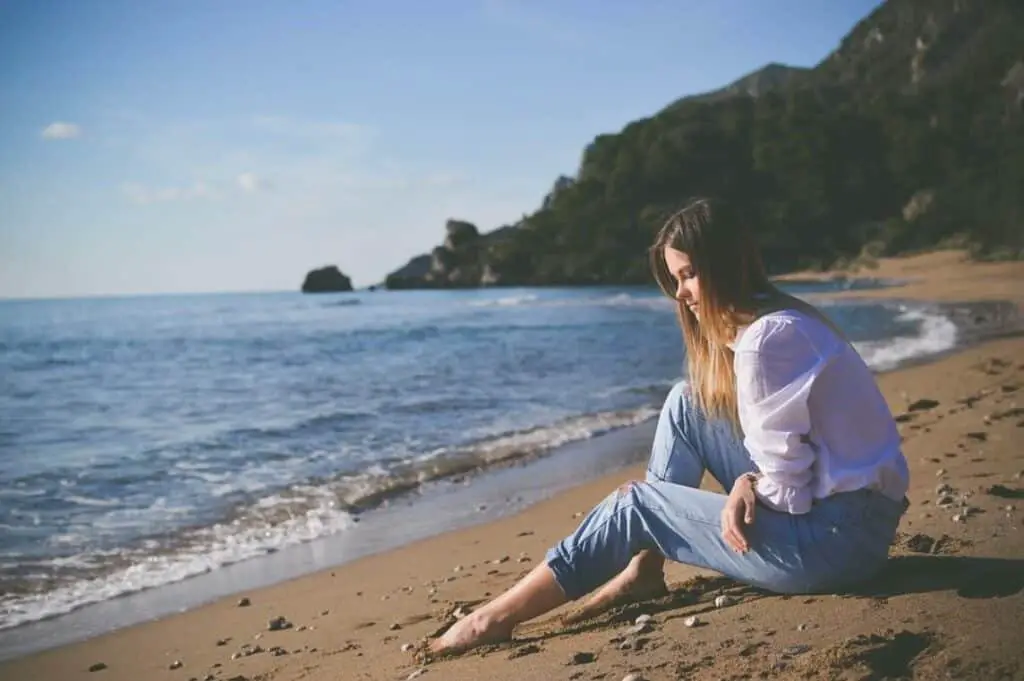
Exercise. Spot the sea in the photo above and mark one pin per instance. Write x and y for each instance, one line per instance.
(147, 440)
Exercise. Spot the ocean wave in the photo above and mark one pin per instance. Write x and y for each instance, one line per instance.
(299, 514)
(507, 301)
(937, 333)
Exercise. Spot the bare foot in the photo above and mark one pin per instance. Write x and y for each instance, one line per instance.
(475, 629)
(642, 579)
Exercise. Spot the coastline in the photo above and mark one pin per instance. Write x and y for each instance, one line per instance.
(392, 578)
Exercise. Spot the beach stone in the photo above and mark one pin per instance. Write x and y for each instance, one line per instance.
(722, 601)
(801, 627)
(691, 622)
(244, 602)
(458, 568)
(582, 658)
(325, 613)
(278, 623)
(395, 626)
(632, 677)
(643, 619)
(223, 641)
(177, 664)
(798, 649)
(209, 677)
(97, 667)
(639, 628)
(944, 488)
(939, 473)
(408, 647)
(503, 559)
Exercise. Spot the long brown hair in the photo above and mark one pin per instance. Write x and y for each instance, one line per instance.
(734, 291)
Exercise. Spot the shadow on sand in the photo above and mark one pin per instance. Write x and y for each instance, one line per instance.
(969, 577)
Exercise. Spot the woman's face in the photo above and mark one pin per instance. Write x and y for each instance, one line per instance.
(687, 281)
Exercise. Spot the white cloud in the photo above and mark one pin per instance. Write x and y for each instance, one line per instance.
(251, 183)
(60, 130)
(142, 194)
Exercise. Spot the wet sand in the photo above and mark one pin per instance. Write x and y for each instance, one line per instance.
(949, 605)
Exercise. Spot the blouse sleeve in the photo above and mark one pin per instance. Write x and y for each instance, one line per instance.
(774, 379)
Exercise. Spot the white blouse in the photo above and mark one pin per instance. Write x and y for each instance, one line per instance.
(813, 418)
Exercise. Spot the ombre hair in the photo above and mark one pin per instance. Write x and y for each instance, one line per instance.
(734, 291)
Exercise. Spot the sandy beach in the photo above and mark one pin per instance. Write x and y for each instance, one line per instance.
(949, 605)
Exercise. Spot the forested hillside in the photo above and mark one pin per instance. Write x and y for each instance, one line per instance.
(909, 135)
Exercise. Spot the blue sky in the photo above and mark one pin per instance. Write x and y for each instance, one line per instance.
(221, 145)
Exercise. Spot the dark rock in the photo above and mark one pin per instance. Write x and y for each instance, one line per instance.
(326, 280)
(923, 405)
(244, 603)
(582, 658)
(98, 667)
(278, 623)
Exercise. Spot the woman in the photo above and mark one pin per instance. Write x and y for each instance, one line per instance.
(778, 407)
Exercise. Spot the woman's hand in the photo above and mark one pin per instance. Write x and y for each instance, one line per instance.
(739, 511)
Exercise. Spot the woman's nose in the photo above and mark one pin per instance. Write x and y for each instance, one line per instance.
(681, 292)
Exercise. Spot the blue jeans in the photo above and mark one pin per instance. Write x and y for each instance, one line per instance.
(841, 541)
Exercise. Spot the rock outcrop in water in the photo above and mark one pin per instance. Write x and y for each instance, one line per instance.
(326, 280)
(461, 261)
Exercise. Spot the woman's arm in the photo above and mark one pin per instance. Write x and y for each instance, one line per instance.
(774, 376)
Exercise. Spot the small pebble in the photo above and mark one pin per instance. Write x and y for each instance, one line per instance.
(643, 619)
(407, 647)
(503, 559)
(223, 641)
(722, 601)
(960, 518)
(394, 626)
(691, 622)
(98, 667)
(177, 664)
(632, 677)
(582, 658)
(457, 568)
(639, 628)
(325, 613)
(939, 473)
(943, 489)
(244, 602)
(802, 627)
(278, 623)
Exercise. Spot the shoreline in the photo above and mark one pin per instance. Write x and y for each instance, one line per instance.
(461, 500)
(606, 449)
